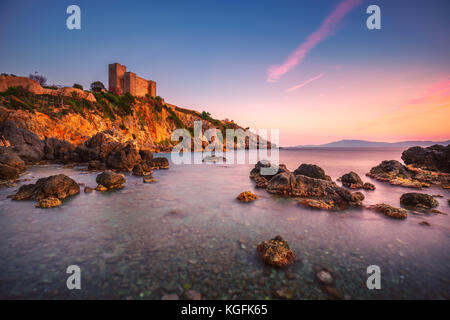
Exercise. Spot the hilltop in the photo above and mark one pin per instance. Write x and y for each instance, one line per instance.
(75, 115)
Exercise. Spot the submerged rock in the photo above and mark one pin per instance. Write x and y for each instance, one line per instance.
(325, 277)
(425, 223)
(276, 252)
(110, 180)
(172, 296)
(88, 189)
(435, 158)
(192, 295)
(49, 202)
(389, 211)
(247, 196)
(142, 169)
(368, 186)
(59, 186)
(418, 200)
(148, 179)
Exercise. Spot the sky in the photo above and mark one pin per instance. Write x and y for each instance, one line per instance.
(311, 69)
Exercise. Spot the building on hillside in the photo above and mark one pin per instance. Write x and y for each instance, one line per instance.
(122, 81)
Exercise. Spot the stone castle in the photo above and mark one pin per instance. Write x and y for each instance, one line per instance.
(124, 81)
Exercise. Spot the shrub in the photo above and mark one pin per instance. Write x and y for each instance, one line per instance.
(77, 86)
(97, 86)
(39, 78)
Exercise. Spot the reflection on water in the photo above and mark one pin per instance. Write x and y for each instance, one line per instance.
(188, 231)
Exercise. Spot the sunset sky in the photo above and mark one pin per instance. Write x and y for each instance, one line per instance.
(311, 69)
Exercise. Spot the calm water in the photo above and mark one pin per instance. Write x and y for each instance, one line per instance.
(188, 231)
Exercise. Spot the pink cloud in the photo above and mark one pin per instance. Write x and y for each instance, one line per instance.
(326, 29)
(304, 83)
(440, 90)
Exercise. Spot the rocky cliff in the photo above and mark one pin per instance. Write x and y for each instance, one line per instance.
(75, 115)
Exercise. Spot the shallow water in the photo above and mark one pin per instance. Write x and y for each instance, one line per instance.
(187, 231)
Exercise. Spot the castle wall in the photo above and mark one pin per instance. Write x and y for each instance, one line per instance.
(116, 76)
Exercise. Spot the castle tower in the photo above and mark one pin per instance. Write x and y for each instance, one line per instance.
(116, 76)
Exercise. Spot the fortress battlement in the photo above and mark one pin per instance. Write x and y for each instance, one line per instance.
(123, 81)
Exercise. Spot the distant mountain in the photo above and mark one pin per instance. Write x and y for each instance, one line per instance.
(371, 144)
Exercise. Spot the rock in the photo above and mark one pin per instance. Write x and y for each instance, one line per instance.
(425, 223)
(8, 173)
(55, 149)
(276, 252)
(110, 180)
(325, 277)
(389, 211)
(9, 158)
(435, 158)
(148, 179)
(352, 180)
(101, 188)
(88, 189)
(146, 155)
(284, 293)
(59, 186)
(142, 169)
(264, 171)
(395, 173)
(24, 143)
(418, 200)
(316, 193)
(247, 196)
(96, 165)
(312, 171)
(316, 204)
(49, 202)
(437, 195)
(333, 292)
(103, 143)
(368, 186)
(214, 159)
(192, 295)
(159, 163)
(124, 158)
(172, 296)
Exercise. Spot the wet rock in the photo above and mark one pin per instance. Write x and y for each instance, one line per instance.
(96, 165)
(264, 171)
(148, 179)
(276, 252)
(24, 143)
(313, 192)
(142, 169)
(368, 186)
(101, 188)
(325, 277)
(333, 292)
(8, 173)
(9, 158)
(312, 171)
(146, 155)
(49, 202)
(59, 186)
(102, 144)
(172, 296)
(159, 163)
(110, 180)
(247, 196)
(437, 195)
(88, 189)
(124, 158)
(389, 211)
(395, 173)
(352, 180)
(214, 159)
(192, 295)
(425, 223)
(435, 158)
(418, 200)
(55, 149)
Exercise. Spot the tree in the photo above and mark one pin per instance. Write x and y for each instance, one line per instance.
(205, 115)
(39, 78)
(97, 86)
(77, 86)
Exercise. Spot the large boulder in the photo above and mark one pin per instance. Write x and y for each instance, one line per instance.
(56, 149)
(124, 158)
(389, 211)
(25, 143)
(11, 165)
(352, 180)
(435, 158)
(59, 186)
(8, 173)
(418, 200)
(312, 171)
(159, 163)
(110, 180)
(104, 143)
